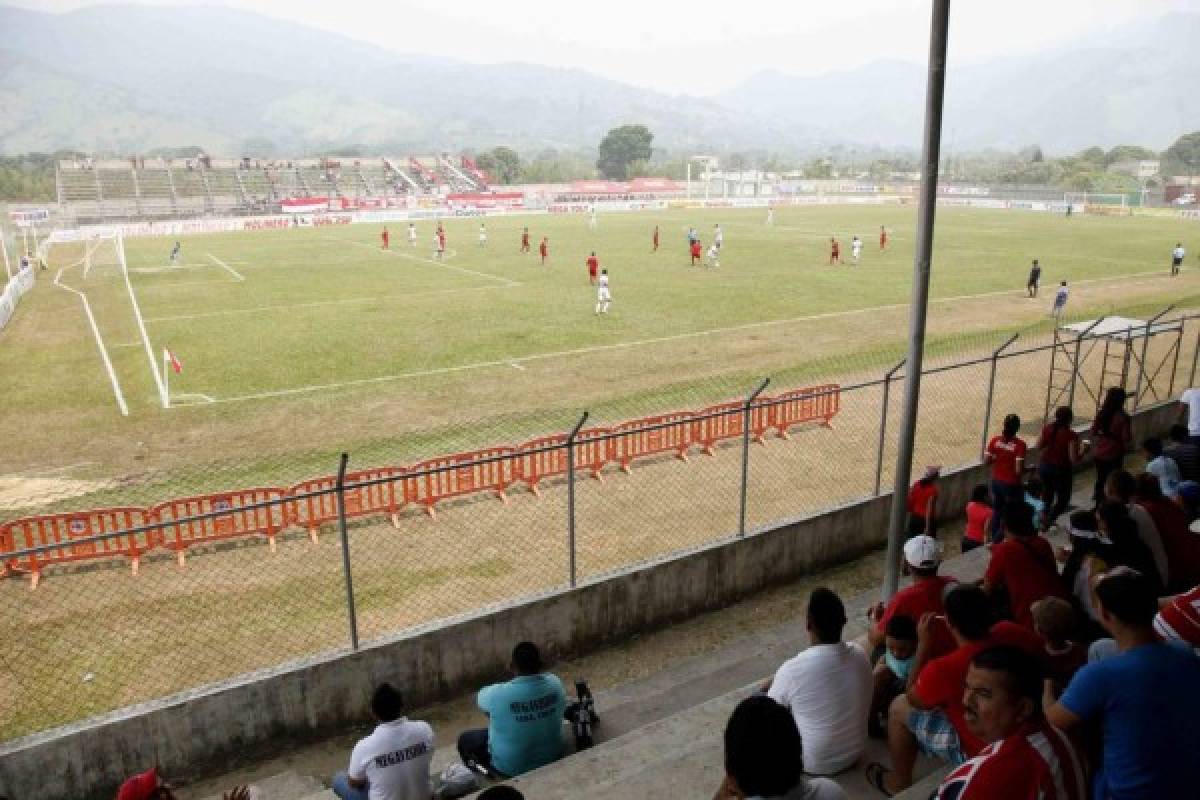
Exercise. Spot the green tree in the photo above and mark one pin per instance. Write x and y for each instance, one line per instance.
(1093, 155)
(1183, 157)
(737, 162)
(621, 148)
(818, 168)
(1128, 152)
(502, 163)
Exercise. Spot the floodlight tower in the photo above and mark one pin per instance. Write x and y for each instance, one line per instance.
(709, 163)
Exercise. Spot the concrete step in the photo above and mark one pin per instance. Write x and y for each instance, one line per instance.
(289, 785)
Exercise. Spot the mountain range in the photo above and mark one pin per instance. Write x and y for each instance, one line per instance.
(129, 78)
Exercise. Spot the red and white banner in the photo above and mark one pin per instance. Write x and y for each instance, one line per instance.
(304, 205)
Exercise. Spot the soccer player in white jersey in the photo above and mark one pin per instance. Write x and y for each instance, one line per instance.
(482, 235)
(770, 216)
(1060, 300)
(718, 236)
(1177, 258)
(412, 235)
(175, 253)
(856, 248)
(603, 297)
(714, 254)
(592, 221)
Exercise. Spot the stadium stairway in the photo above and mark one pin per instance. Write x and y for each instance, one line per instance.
(660, 736)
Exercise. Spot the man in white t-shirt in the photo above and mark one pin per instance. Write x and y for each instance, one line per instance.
(412, 235)
(828, 689)
(1191, 401)
(1177, 258)
(856, 249)
(393, 762)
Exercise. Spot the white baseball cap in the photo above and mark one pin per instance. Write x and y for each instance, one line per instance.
(922, 552)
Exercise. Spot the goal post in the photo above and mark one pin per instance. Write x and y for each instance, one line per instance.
(1116, 203)
(91, 250)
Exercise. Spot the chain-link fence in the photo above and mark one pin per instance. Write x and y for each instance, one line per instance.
(148, 593)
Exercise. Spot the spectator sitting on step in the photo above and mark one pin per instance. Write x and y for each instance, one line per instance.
(922, 556)
(1126, 547)
(928, 717)
(1185, 454)
(525, 715)
(891, 672)
(1034, 489)
(1054, 621)
(150, 785)
(393, 762)
(979, 517)
(1182, 546)
(922, 504)
(1121, 486)
(763, 757)
(828, 689)
(1144, 700)
(1023, 565)
(1178, 619)
(1160, 466)
(1026, 758)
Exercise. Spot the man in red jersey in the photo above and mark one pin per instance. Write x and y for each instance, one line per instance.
(525, 240)
(1027, 758)
(655, 250)
(593, 266)
(384, 236)
(929, 716)
(544, 248)
(835, 252)
(882, 238)
(697, 252)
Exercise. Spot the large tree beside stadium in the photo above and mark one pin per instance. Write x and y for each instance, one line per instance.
(502, 163)
(1183, 157)
(623, 147)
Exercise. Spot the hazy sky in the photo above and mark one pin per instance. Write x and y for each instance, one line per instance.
(699, 48)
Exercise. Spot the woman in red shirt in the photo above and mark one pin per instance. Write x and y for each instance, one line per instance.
(1006, 454)
(979, 514)
(1060, 452)
(922, 504)
(1112, 433)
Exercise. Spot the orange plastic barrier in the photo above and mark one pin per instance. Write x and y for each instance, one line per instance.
(534, 465)
(457, 475)
(240, 521)
(381, 498)
(812, 404)
(60, 530)
(726, 423)
(675, 436)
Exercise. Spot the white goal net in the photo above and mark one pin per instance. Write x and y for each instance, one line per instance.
(93, 251)
(1097, 203)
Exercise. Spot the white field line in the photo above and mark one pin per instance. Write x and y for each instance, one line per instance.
(185, 283)
(156, 270)
(514, 362)
(319, 303)
(141, 323)
(112, 375)
(228, 268)
(435, 262)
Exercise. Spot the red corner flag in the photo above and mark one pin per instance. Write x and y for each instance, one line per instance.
(169, 358)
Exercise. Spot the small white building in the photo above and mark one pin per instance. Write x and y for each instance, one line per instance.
(1137, 168)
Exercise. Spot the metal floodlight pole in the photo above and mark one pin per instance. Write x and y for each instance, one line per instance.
(935, 88)
(341, 512)
(987, 411)
(571, 494)
(883, 415)
(746, 451)
(1137, 387)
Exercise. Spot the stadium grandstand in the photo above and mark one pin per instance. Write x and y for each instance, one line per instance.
(111, 190)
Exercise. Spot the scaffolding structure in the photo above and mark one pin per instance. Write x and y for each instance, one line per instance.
(1122, 346)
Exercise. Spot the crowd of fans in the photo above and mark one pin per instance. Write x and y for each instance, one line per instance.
(1063, 674)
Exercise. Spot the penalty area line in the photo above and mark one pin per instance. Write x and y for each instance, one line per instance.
(227, 268)
(437, 262)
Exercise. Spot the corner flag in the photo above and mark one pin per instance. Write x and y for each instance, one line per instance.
(170, 359)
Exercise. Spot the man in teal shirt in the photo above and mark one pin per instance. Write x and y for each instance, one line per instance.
(524, 719)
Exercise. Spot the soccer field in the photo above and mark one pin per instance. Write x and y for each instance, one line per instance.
(299, 343)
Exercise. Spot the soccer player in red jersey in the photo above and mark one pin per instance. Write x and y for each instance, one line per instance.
(655, 250)
(696, 251)
(593, 264)
(835, 251)
(441, 237)
(882, 238)
(544, 248)
(525, 240)
(384, 236)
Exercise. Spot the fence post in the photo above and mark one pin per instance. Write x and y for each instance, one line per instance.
(987, 410)
(746, 451)
(1137, 387)
(571, 494)
(1178, 351)
(1195, 356)
(341, 510)
(887, 389)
